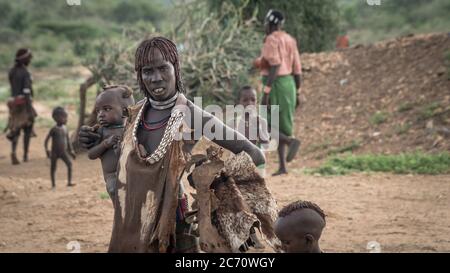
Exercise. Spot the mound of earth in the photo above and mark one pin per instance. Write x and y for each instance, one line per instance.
(389, 97)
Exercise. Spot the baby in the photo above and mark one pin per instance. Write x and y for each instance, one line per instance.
(111, 108)
(299, 227)
(61, 145)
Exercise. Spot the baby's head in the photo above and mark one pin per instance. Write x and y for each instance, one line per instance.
(247, 96)
(111, 104)
(299, 227)
(59, 115)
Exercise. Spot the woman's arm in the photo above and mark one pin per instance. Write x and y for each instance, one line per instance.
(236, 143)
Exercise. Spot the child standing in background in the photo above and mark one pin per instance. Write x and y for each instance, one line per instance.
(61, 146)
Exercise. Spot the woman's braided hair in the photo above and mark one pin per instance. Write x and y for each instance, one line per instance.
(145, 52)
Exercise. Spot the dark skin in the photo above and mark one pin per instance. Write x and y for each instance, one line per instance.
(159, 80)
(300, 231)
(28, 131)
(110, 115)
(248, 98)
(61, 148)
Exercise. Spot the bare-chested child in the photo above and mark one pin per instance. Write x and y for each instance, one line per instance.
(250, 124)
(61, 146)
(111, 108)
(254, 128)
(299, 227)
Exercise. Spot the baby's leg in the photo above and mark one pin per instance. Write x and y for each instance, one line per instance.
(53, 160)
(66, 160)
(111, 182)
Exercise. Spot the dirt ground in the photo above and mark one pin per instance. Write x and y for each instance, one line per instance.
(402, 213)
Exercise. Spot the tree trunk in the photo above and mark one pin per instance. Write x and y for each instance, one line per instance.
(83, 90)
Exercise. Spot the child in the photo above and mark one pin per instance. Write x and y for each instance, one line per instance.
(61, 145)
(244, 124)
(250, 119)
(111, 108)
(299, 227)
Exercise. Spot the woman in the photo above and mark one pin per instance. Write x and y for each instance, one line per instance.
(281, 70)
(150, 203)
(21, 111)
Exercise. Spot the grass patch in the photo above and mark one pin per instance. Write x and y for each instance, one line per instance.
(405, 107)
(318, 147)
(402, 129)
(347, 148)
(378, 118)
(104, 195)
(411, 163)
(429, 110)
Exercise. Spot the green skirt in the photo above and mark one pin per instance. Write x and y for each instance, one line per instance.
(284, 94)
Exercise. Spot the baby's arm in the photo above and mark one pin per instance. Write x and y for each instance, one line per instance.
(47, 152)
(98, 150)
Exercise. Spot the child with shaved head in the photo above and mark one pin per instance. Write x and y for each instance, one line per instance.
(299, 227)
(111, 107)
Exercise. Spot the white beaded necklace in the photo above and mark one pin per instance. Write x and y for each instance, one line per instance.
(176, 117)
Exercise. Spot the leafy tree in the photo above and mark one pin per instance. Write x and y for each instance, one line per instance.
(314, 23)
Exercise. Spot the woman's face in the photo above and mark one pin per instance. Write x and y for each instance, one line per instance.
(159, 78)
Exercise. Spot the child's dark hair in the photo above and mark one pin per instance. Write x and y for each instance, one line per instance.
(242, 90)
(299, 205)
(58, 111)
(146, 51)
(126, 95)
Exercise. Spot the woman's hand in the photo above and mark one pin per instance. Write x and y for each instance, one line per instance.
(87, 136)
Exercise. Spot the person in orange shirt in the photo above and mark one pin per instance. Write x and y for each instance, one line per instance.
(281, 70)
(342, 41)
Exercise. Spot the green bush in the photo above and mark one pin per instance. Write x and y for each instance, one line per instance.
(4, 93)
(72, 30)
(19, 20)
